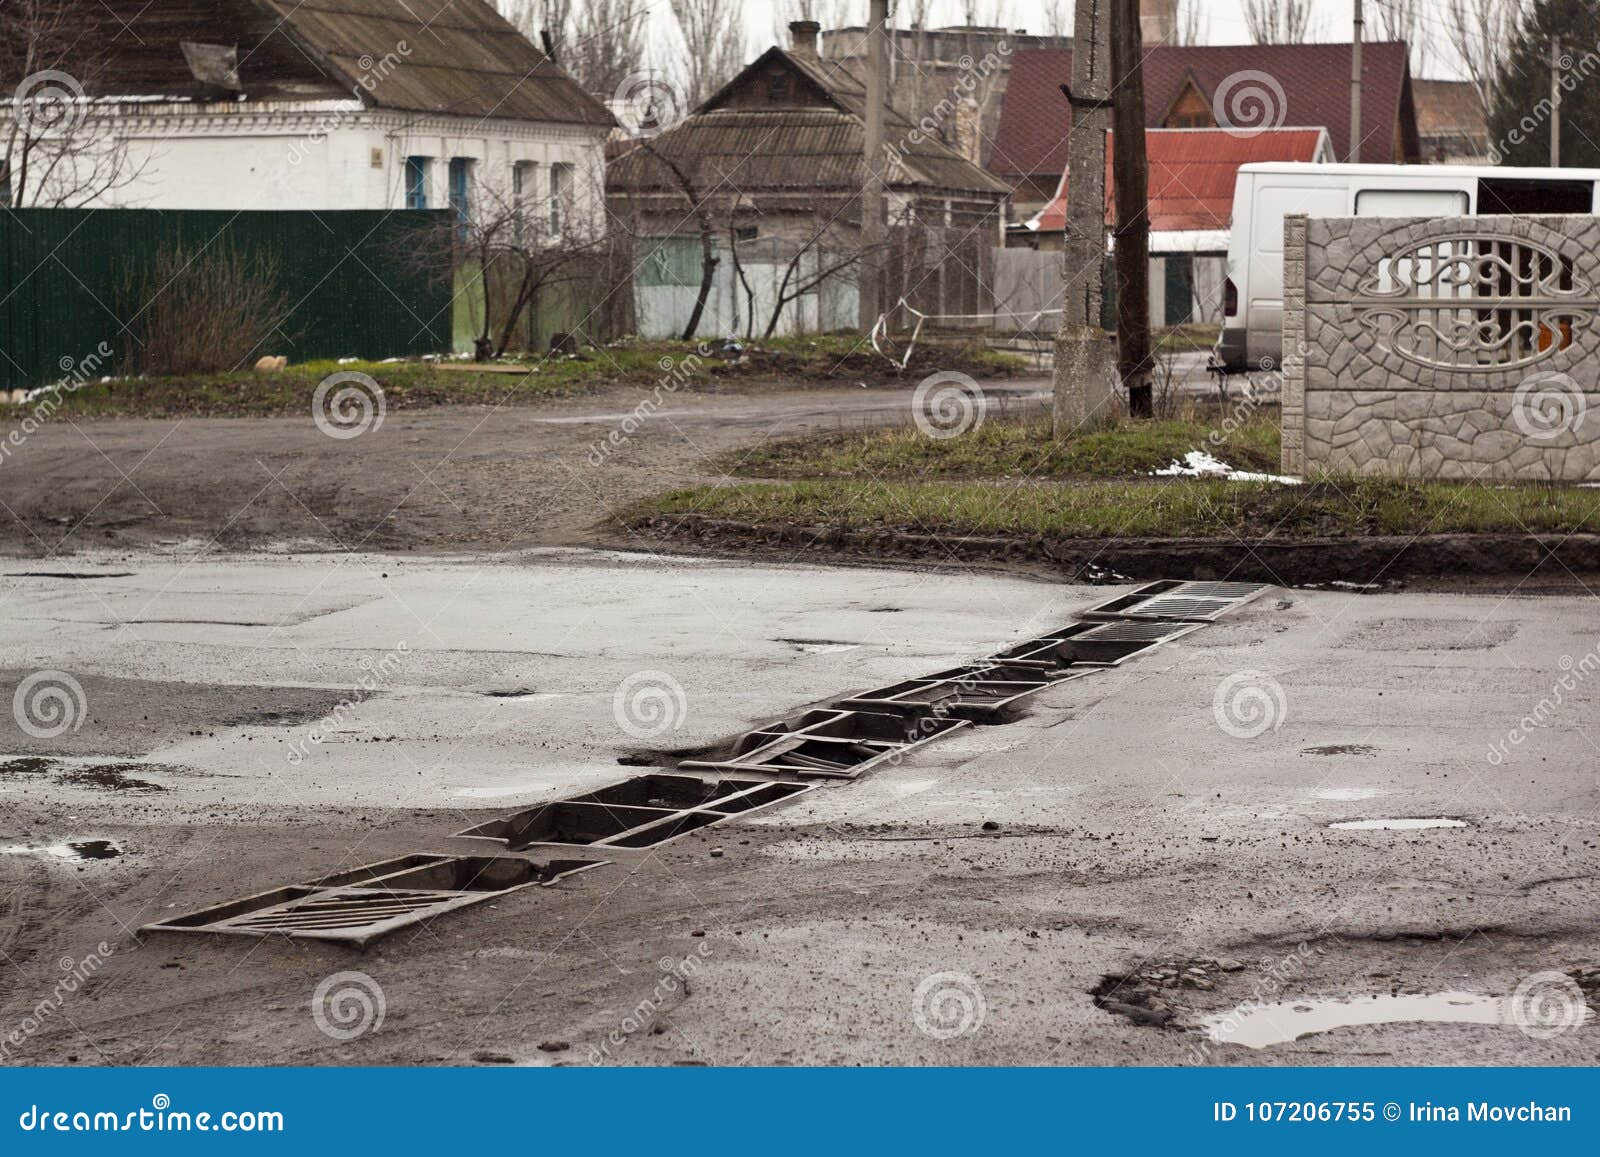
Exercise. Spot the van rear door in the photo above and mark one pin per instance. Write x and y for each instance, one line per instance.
(1276, 198)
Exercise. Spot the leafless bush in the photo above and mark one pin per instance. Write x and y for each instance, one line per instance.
(204, 311)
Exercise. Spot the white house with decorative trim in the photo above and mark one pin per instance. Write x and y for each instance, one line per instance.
(300, 104)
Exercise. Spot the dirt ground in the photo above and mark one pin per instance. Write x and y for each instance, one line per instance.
(460, 478)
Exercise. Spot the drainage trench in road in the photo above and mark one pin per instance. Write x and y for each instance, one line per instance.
(762, 768)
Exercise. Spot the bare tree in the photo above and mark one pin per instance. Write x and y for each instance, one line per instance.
(703, 211)
(541, 19)
(1403, 20)
(1480, 33)
(55, 152)
(520, 249)
(713, 35)
(604, 43)
(1278, 21)
(828, 13)
(1057, 18)
(828, 245)
(1193, 26)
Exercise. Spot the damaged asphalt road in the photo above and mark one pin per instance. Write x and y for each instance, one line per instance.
(1093, 881)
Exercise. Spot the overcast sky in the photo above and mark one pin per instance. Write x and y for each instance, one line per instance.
(1222, 21)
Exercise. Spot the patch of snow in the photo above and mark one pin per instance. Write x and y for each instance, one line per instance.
(1199, 464)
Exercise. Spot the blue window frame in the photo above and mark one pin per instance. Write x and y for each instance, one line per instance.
(417, 182)
(461, 189)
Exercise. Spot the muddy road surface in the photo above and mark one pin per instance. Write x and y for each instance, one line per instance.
(1141, 866)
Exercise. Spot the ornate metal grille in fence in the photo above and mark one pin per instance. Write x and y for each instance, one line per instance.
(1410, 345)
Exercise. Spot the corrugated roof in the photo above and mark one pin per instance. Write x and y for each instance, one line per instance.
(795, 148)
(460, 57)
(1192, 173)
(1314, 78)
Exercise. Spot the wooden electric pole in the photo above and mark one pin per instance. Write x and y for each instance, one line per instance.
(1086, 361)
(1555, 102)
(873, 224)
(1354, 152)
(1130, 171)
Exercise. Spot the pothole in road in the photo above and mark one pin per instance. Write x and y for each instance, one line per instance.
(1258, 1026)
(72, 850)
(1144, 996)
(1405, 824)
(1341, 749)
(68, 574)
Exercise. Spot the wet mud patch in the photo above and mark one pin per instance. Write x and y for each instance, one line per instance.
(28, 765)
(117, 718)
(111, 777)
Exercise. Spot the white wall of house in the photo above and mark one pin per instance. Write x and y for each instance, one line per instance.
(328, 155)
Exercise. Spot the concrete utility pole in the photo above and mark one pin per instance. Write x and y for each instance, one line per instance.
(1086, 369)
(1130, 170)
(1355, 88)
(873, 224)
(1555, 102)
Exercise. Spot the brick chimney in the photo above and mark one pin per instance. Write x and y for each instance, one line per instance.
(803, 38)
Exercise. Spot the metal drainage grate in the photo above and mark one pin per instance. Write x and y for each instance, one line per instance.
(593, 821)
(1194, 602)
(1095, 644)
(834, 744)
(359, 905)
(976, 691)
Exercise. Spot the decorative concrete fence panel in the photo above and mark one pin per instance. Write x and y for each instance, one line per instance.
(1452, 347)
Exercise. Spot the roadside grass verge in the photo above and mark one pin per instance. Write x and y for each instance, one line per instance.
(1001, 449)
(1177, 508)
(415, 384)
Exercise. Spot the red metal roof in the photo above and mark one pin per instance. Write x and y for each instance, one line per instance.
(1314, 80)
(1192, 173)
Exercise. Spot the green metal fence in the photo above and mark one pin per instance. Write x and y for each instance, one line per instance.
(351, 279)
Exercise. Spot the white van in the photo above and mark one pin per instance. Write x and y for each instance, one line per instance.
(1252, 296)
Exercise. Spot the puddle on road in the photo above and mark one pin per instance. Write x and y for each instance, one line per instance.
(74, 850)
(1257, 1026)
(1397, 825)
(819, 646)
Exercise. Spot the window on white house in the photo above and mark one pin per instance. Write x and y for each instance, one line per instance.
(417, 182)
(560, 197)
(524, 174)
(461, 190)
